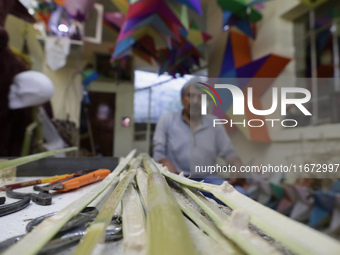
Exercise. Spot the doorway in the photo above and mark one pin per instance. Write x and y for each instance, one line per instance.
(97, 124)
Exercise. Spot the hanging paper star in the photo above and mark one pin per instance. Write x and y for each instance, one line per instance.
(159, 30)
(185, 53)
(156, 18)
(153, 20)
(145, 49)
(230, 20)
(256, 2)
(197, 37)
(193, 4)
(59, 2)
(240, 14)
(165, 9)
(114, 20)
(122, 5)
(237, 63)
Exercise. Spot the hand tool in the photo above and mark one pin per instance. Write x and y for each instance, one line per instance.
(71, 233)
(74, 183)
(86, 215)
(44, 180)
(31, 183)
(41, 198)
(65, 183)
(14, 207)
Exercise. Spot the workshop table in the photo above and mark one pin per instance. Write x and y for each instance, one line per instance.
(14, 224)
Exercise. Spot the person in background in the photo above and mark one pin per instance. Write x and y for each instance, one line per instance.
(186, 139)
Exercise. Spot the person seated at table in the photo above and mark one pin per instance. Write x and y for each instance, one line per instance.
(186, 139)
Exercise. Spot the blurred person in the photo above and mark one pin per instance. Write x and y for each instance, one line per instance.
(186, 139)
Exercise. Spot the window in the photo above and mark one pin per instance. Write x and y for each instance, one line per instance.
(164, 92)
(159, 92)
(316, 41)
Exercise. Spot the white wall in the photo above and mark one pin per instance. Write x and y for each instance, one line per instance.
(274, 35)
(16, 28)
(67, 95)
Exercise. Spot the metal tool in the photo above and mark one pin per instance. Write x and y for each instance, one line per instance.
(85, 216)
(71, 233)
(31, 183)
(14, 207)
(74, 183)
(41, 198)
(66, 183)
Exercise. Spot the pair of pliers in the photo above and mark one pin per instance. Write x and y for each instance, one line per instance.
(14, 207)
(72, 181)
(71, 233)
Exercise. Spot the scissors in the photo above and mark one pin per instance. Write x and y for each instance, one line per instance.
(71, 233)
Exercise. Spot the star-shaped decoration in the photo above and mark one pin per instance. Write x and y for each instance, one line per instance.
(240, 14)
(169, 10)
(241, 69)
(193, 4)
(122, 5)
(154, 20)
(114, 20)
(159, 30)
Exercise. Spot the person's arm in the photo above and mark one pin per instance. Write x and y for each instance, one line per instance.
(235, 161)
(238, 179)
(159, 144)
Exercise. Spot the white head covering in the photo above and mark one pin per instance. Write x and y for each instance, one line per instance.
(30, 88)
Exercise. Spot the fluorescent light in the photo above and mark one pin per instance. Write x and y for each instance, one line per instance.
(63, 28)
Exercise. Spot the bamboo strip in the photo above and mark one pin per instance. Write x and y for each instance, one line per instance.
(189, 207)
(296, 236)
(142, 182)
(37, 238)
(134, 231)
(204, 244)
(236, 227)
(167, 233)
(30, 158)
(95, 233)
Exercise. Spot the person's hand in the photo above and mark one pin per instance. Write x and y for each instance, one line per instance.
(236, 178)
(169, 165)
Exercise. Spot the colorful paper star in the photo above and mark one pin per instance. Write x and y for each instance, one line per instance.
(114, 20)
(237, 63)
(122, 5)
(193, 4)
(240, 14)
(159, 30)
